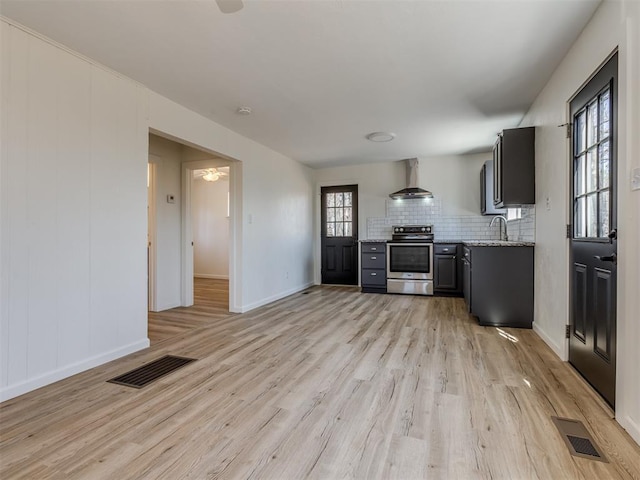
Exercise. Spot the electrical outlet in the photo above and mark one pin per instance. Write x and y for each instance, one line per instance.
(635, 179)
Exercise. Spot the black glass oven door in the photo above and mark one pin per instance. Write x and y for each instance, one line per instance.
(409, 258)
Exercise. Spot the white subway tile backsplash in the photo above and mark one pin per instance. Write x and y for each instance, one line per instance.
(448, 227)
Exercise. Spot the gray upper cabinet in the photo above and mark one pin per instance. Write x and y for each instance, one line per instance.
(514, 168)
(486, 191)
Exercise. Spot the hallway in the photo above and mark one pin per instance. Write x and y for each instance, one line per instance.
(210, 303)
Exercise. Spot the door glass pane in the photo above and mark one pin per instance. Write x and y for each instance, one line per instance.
(592, 123)
(604, 115)
(331, 214)
(331, 199)
(592, 174)
(592, 215)
(347, 214)
(339, 215)
(581, 132)
(347, 229)
(578, 217)
(339, 199)
(339, 229)
(604, 213)
(603, 164)
(331, 230)
(579, 175)
(347, 199)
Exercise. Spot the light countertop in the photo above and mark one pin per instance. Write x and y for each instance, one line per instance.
(496, 243)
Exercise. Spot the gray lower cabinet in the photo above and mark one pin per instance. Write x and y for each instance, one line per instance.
(373, 274)
(498, 284)
(447, 269)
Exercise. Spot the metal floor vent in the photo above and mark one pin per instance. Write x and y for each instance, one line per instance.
(578, 439)
(146, 374)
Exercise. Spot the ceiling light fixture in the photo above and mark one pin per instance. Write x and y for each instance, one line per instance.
(210, 174)
(243, 111)
(381, 136)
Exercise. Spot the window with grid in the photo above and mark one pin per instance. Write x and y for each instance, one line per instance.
(339, 214)
(592, 168)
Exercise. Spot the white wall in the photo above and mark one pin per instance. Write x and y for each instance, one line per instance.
(73, 216)
(273, 203)
(167, 156)
(210, 228)
(615, 24)
(454, 180)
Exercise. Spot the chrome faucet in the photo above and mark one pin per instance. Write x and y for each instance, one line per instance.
(504, 220)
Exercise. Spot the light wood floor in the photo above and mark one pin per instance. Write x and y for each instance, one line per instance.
(325, 385)
(210, 304)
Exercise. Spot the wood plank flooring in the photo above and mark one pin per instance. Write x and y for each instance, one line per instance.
(210, 303)
(325, 385)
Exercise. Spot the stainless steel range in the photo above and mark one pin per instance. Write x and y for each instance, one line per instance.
(410, 260)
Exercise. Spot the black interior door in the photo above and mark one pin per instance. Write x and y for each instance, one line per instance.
(592, 339)
(339, 236)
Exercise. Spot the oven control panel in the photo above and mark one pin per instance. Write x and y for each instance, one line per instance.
(408, 229)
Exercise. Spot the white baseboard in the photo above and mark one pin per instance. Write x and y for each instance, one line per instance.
(211, 275)
(28, 385)
(630, 426)
(273, 298)
(168, 306)
(557, 349)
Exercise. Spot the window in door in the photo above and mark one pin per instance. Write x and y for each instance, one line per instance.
(592, 147)
(339, 214)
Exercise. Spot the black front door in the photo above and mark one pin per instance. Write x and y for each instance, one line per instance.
(592, 339)
(339, 234)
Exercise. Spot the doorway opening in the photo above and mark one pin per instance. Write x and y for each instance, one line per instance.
(184, 207)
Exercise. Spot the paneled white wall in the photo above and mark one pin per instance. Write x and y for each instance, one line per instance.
(210, 228)
(614, 25)
(73, 217)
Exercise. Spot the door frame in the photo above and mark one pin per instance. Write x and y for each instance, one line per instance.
(317, 241)
(235, 234)
(152, 233)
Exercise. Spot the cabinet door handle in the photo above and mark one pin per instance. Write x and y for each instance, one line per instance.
(374, 258)
(445, 249)
(374, 249)
(373, 274)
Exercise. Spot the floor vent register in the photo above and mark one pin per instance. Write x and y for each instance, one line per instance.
(578, 439)
(152, 371)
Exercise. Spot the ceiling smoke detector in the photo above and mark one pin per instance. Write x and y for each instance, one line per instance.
(243, 111)
(381, 136)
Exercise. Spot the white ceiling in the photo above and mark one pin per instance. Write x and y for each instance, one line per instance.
(444, 76)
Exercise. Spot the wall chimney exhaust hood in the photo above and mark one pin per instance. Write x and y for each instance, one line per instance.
(412, 191)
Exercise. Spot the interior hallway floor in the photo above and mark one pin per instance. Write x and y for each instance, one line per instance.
(210, 303)
(325, 384)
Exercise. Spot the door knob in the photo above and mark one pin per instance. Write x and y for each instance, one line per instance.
(607, 258)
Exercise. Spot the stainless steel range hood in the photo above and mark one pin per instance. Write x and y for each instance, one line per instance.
(412, 191)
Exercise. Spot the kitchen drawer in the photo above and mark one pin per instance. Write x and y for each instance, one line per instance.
(374, 277)
(445, 249)
(374, 260)
(374, 247)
